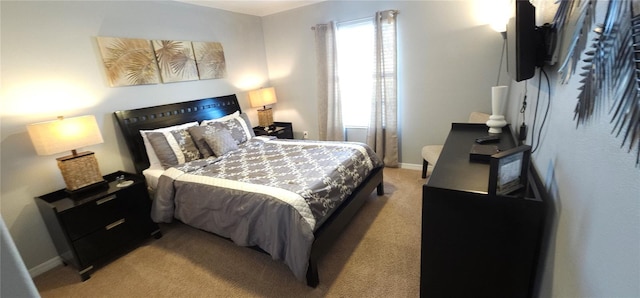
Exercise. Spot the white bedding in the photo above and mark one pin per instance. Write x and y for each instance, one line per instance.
(152, 175)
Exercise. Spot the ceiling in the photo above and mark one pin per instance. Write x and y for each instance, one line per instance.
(252, 7)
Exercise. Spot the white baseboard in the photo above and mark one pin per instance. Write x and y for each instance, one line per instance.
(46, 266)
(411, 166)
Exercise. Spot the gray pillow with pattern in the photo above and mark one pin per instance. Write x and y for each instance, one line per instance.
(237, 128)
(221, 142)
(197, 134)
(173, 147)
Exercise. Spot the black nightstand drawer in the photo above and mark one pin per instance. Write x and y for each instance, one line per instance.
(92, 216)
(104, 241)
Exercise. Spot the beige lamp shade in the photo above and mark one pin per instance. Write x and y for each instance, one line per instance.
(79, 170)
(262, 97)
(64, 134)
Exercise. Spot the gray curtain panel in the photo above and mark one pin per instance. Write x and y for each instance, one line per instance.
(330, 124)
(382, 134)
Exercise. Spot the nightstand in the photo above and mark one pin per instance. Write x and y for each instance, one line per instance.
(282, 130)
(93, 227)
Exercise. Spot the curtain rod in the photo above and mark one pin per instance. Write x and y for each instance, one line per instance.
(395, 12)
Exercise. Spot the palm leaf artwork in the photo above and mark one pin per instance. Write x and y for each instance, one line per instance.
(612, 74)
(128, 61)
(577, 15)
(175, 60)
(210, 60)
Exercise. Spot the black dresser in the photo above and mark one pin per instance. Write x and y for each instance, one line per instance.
(474, 244)
(91, 228)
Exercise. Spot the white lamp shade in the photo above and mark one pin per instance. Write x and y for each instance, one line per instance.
(64, 134)
(262, 97)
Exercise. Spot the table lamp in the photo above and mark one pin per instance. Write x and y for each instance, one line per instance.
(79, 170)
(263, 97)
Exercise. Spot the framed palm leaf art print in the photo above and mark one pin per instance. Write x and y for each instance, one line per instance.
(134, 61)
(210, 59)
(128, 61)
(175, 60)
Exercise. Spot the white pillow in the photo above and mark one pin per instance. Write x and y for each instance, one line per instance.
(153, 158)
(221, 119)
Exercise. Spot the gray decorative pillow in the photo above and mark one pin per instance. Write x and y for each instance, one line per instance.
(221, 142)
(173, 147)
(153, 158)
(197, 134)
(237, 128)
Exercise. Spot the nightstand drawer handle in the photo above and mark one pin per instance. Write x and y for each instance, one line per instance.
(114, 224)
(104, 200)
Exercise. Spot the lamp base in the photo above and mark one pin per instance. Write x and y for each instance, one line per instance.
(80, 192)
(265, 117)
(80, 172)
(496, 123)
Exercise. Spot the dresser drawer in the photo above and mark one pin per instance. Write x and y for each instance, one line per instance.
(92, 216)
(105, 241)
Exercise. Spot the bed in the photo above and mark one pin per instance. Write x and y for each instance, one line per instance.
(204, 193)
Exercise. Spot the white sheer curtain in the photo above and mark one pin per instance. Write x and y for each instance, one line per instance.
(382, 133)
(330, 123)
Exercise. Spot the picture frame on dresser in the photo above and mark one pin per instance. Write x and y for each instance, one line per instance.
(508, 170)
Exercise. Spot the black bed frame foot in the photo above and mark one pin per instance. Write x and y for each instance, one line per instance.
(157, 234)
(312, 274)
(380, 189)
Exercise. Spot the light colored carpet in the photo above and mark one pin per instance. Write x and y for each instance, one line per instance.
(378, 255)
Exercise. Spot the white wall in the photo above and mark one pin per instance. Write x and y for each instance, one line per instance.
(448, 61)
(51, 66)
(593, 247)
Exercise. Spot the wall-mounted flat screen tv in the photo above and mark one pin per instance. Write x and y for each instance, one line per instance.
(522, 40)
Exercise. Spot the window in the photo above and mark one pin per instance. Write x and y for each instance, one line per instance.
(355, 44)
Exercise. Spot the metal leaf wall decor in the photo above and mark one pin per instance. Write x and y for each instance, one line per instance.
(580, 14)
(611, 77)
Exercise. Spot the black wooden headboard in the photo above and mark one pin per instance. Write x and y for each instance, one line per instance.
(132, 121)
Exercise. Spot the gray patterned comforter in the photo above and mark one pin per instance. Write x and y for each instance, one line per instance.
(269, 193)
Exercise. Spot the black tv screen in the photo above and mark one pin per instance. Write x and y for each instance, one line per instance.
(522, 41)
